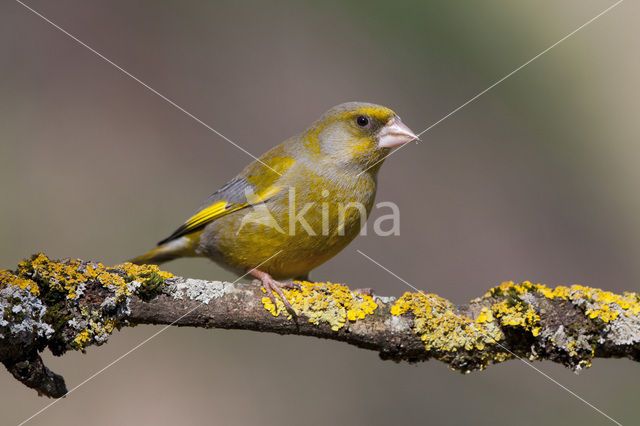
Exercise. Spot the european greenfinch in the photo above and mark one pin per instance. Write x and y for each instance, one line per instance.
(298, 205)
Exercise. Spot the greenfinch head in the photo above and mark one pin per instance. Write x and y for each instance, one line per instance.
(357, 134)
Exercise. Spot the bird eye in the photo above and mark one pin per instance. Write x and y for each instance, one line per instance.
(362, 121)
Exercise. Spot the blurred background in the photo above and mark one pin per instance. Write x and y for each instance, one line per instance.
(536, 180)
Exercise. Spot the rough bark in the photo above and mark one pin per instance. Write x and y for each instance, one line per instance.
(71, 304)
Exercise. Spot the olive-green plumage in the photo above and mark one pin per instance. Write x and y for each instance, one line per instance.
(322, 175)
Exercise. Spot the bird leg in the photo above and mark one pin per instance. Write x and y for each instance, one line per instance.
(271, 285)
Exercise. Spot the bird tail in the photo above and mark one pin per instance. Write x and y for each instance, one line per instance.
(180, 247)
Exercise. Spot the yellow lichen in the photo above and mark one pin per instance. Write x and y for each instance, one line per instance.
(82, 338)
(142, 270)
(98, 330)
(8, 279)
(517, 313)
(441, 328)
(571, 346)
(485, 316)
(67, 277)
(604, 305)
(324, 302)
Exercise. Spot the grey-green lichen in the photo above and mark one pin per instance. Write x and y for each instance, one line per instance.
(199, 290)
(22, 316)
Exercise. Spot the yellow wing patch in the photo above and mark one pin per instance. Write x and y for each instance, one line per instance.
(221, 208)
(218, 209)
(207, 215)
(203, 217)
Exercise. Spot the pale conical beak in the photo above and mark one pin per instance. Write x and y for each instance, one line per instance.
(395, 133)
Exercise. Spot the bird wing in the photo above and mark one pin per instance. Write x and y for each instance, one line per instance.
(256, 184)
(235, 195)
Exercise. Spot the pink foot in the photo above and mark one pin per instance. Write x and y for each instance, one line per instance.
(271, 285)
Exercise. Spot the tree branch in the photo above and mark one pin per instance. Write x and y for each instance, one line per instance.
(71, 304)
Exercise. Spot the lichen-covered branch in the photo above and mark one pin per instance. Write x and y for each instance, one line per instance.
(71, 304)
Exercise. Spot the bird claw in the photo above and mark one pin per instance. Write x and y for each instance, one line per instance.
(273, 285)
(270, 285)
(290, 284)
